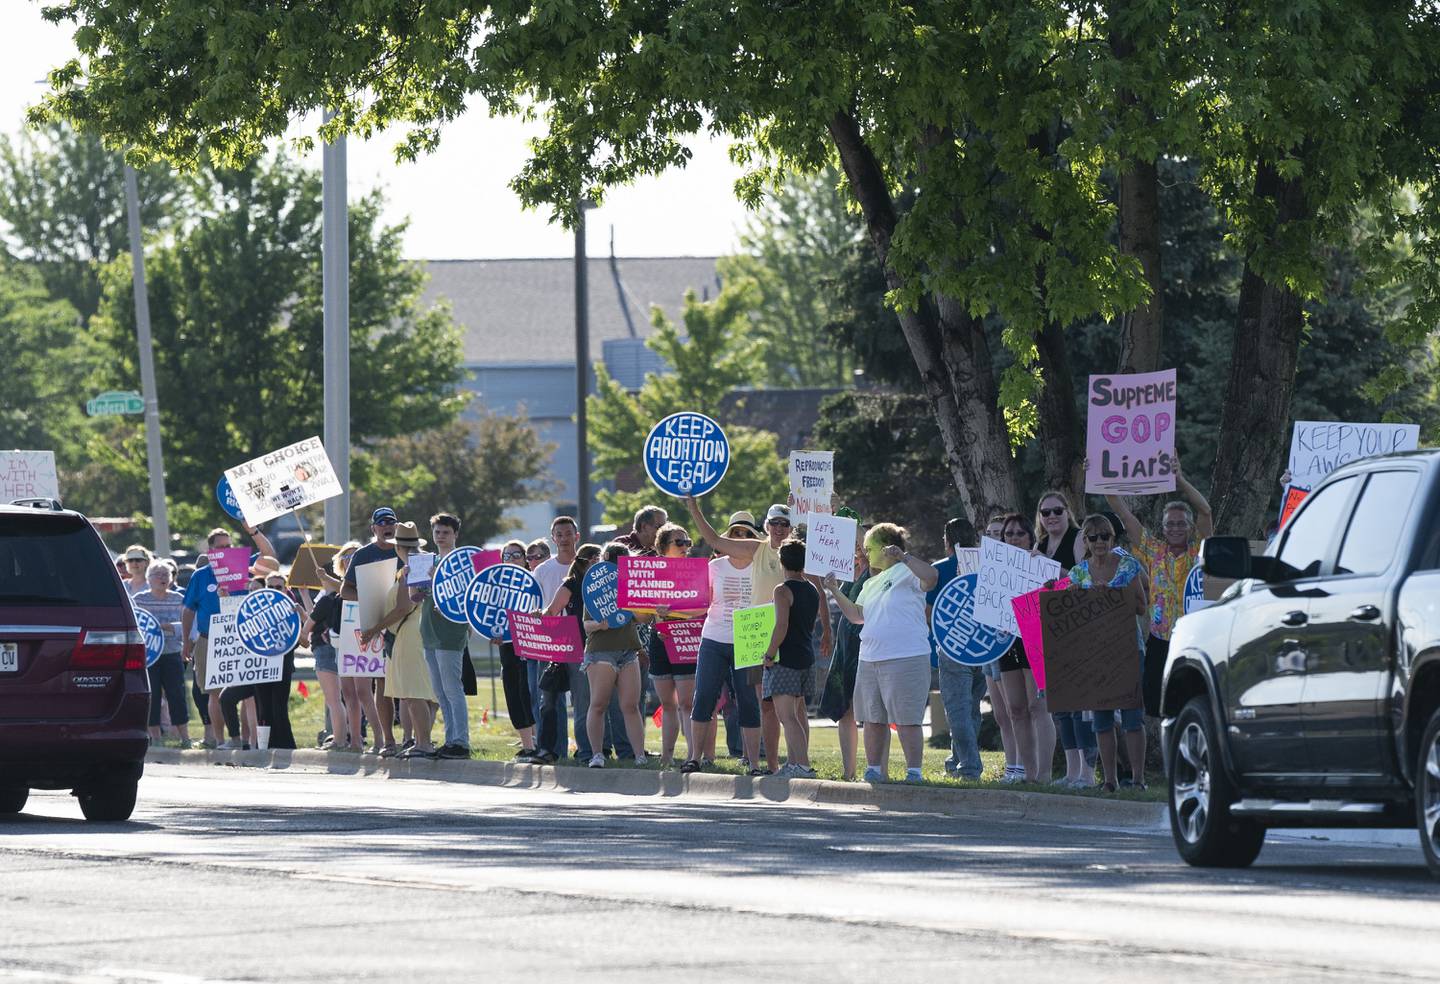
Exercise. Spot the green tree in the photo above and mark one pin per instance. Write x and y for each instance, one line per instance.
(715, 356)
(236, 315)
(47, 358)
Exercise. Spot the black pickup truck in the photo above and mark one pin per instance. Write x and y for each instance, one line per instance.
(1309, 694)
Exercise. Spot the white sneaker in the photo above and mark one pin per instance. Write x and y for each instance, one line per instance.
(641, 759)
(231, 744)
(597, 761)
(1013, 776)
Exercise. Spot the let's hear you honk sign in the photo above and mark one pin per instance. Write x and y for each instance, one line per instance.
(1130, 433)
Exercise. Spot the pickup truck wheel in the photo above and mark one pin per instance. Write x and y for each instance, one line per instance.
(12, 798)
(110, 801)
(1205, 833)
(1427, 794)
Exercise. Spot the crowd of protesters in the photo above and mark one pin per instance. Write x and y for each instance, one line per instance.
(873, 632)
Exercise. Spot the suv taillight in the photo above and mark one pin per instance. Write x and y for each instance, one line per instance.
(109, 651)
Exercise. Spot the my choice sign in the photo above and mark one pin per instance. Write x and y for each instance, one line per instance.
(957, 634)
(276, 483)
(268, 623)
(686, 454)
(1319, 447)
(600, 590)
(496, 590)
(28, 475)
(1006, 573)
(1130, 434)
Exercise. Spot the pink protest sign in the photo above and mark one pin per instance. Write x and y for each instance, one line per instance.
(482, 559)
(551, 638)
(231, 565)
(1027, 617)
(682, 639)
(682, 583)
(1130, 434)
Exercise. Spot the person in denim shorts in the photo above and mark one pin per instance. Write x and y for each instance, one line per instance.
(612, 661)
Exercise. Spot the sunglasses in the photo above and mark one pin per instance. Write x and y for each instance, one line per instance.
(535, 556)
(1098, 537)
(385, 522)
(135, 560)
(778, 522)
(680, 543)
(513, 555)
(1053, 511)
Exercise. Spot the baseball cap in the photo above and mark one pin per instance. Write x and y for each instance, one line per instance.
(137, 553)
(381, 514)
(778, 511)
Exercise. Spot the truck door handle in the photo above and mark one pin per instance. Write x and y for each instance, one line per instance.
(1296, 618)
(1365, 613)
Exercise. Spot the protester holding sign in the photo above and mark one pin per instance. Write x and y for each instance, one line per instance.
(322, 629)
(789, 677)
(674, 682)
(961, 686)
(1030, 721)
(893, 682)
(1058, 533)
(443, 644)
(406, 677)
(837, 702)
(612, 663)
(994, 685)
(515, 673)
(558, 677)
(167, 674)
(1169, 558)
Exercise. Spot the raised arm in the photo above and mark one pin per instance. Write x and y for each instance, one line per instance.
(1133, 529)
(262, 542)
(739, 549)
(1204, 518)
(923, 571)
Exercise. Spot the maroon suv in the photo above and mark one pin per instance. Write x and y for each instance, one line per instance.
(74, 696)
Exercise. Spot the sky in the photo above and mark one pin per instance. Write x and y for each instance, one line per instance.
(457, 198)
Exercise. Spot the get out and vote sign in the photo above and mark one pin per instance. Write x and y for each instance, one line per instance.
(686, 454)
(1130, 434)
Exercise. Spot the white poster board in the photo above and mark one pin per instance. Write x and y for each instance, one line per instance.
(1006, 573)
(227, 662)
(812, 482)
(28, 475)
(372, 587)
(1318, 447)
(284, 480)
(967, 560)
(830, 546)
(352, 659)
(420, 567)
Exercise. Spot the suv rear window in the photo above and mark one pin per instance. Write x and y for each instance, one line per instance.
(54, 560)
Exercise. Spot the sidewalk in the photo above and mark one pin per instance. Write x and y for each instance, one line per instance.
(990, 804)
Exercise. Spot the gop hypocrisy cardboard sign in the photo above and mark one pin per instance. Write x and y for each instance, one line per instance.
(1130, 434)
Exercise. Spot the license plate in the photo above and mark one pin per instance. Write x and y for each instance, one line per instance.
(9, 657)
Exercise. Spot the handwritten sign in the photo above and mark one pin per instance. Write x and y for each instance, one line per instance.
(1130, 434)
(1007, 572)
(354, 658)
(549, 638)
(812, 482)
(682, 583)
(830, 546)
(452, 577)
(310, 559)
(1092, 654)
(1294, 495)
(682, 639)
(967, 560)
(753, 628)
(225, 495)
(686, 454)
(268, 623)
(600, 590)
(28, 475)
(276, 483)
(231, 566)
(1318, 447)
(498, 590)
(957, 634)
(420, 567)
(152, 633)
(1027, 619)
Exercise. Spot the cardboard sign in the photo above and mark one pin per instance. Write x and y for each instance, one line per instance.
(268, 623)
(231, 566)
(494, 592)
(419, 569)
(153, 634)
(1092, 651)
(354, 659)
(1318, 447)
(1027, 619)
(225, 495)
(686, 454)
(957, 634)
(812, 483)
(1006, 573)
(682, 640)
(452, 577)
(1294, 495)
(28, 475)
(682, 583)
(284, 480)
(549, 638)
(753, 628)
(967, 560)
(830, 546)
(229, 664)
(372, 589)
(310, 559)
(1130, 434)
(600, 591)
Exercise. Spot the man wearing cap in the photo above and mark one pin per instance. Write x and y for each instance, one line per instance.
(202, 603)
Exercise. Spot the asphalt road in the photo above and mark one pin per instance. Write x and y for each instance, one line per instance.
(244, 875)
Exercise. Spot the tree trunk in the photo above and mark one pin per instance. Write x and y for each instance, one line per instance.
(948, 346)
(1255, 418)
(1060, 425)
(1141, 330)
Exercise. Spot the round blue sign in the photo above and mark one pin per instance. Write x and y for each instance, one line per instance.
(686, 454)
(268, 623)
(601, 590)
(154, 636)
(496, 590)
(450, 581)
(226, 496)
(956, 632)
(1194, 588)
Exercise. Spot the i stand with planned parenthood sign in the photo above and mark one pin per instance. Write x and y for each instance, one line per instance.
(957, 634)
(600, 590)
(497, 590)
(268, 623)
(686, 454)
(153, 635)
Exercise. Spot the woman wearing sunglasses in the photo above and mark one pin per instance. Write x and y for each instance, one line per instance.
(1059, 536)
(674, 682)
(1030, 723)
(1106, 565)
(515, 676)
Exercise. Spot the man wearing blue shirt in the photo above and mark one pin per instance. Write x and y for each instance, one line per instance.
(961, 687)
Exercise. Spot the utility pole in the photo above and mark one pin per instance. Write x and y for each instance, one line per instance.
(159, 516)
(336, 295)
(582, 372)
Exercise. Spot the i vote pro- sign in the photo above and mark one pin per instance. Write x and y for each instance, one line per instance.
(600, 589)
(268, 623)
(450, 582)
(686, 454)
(957, 634)
(495, 590)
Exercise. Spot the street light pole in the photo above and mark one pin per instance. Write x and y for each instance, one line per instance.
(158, 514)
(335, 275)
(582, 373)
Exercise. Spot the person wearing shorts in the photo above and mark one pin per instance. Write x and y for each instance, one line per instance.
(892, 684)
(790, 659)
(612, 663)
(674, 682)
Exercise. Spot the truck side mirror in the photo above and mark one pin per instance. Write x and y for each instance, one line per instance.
(1226, 556)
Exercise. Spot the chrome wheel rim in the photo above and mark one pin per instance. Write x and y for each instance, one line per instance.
(1190, 782)
(1430, 791)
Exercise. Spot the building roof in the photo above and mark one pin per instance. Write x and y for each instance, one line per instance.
(523, 311)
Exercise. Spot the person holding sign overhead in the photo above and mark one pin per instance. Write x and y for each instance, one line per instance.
(893, 681)
(612, 662)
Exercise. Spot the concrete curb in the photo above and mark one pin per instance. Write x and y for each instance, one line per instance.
(991, 804)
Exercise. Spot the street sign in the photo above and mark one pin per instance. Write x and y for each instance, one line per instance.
(115, 403)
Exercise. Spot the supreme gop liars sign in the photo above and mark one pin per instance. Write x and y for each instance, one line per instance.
(1130, 434)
